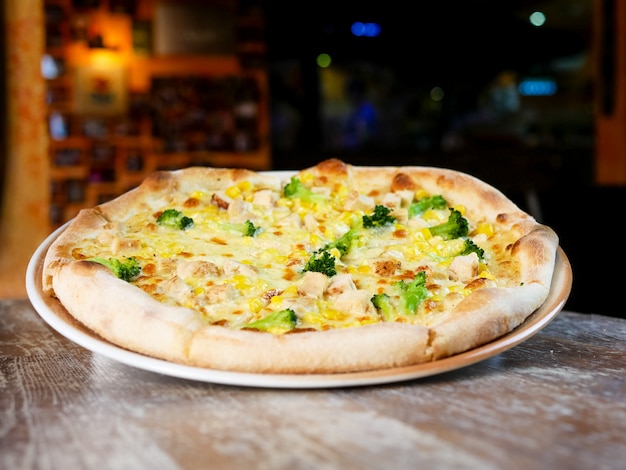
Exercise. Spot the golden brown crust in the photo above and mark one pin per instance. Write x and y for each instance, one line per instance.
(380, 346)
(133, 319)
(125, 315)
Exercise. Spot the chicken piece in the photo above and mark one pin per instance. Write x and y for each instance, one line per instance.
(176, 288)
(310, 223)
(232, 267)
(357, 201)
(386, 267)
(401, 214)
(313, 284)
(406, 196)
(197, 268)
(220, 200)
(355, 302)
(392, 200)
(220, 293)
(464, 268)
(339, 284)
(265, 198)
(239, 211)
(124, 245)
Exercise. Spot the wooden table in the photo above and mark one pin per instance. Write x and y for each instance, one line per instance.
(556, 401)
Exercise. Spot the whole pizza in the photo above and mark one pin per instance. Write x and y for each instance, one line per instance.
(330, 269)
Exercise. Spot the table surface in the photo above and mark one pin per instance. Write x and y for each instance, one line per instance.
(556, 401)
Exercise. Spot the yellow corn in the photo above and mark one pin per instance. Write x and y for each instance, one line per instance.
(233, 192)
(255, 305)
(244, 186)
(485, 228)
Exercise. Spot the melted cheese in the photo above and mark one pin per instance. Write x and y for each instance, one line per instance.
(232, 279)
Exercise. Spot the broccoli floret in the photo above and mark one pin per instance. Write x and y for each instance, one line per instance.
(425, 203)
(247, 228)
(470, 247)
(127, 270)
(321, 262)
(175, 219)
(296, 190)
(455, 227)
(343, 243)
(383, 303)
(380, 217)
(404, 299)
(413, 293)
(278, 322)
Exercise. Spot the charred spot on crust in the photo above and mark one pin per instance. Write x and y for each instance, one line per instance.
(158, 180)
(402, 181)
(333, 167)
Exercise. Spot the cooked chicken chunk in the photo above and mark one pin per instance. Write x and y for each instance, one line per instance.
(197, 268)
(357, 201)
(464, 268)
(313, 284)
(339, 284)
(232, 267)
(356, 302)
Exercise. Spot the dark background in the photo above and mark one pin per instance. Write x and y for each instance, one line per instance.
(539, 152)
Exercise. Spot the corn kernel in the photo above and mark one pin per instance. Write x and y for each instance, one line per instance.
(290, 291)
(419, 194)
(244, 186)
(306, 177)
(276, 301)
(460, 207)
(255, 305)
(485, 228)
(233, 192)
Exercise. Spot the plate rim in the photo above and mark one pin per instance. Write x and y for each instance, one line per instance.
(539, 319)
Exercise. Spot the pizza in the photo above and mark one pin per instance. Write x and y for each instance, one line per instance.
(334, 268)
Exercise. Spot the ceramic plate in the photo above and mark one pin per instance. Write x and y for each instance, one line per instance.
(55, 315)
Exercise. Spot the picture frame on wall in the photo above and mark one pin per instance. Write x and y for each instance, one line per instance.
(100, 90)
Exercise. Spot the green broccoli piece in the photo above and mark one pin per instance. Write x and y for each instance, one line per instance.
(343, 243)
(413, 293)
(383, 304)
(425, 203)
(296, 190)
(175, 219)
(277, 323)
(321, 262)
(404, 300)
(456, 226)
(470, 247)
(247, 228)
(379, 218)
(127, 270)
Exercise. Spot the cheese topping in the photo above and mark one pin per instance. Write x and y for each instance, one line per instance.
(308, 257)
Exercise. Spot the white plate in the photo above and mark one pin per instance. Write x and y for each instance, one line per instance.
(55, 315)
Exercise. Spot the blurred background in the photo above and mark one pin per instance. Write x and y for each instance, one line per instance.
(528, 95)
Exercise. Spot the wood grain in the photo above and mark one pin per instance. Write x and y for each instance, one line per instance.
(557, 400)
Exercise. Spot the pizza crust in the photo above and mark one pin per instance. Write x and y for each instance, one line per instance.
(125, 315)
(370, 347)
(130, 318)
